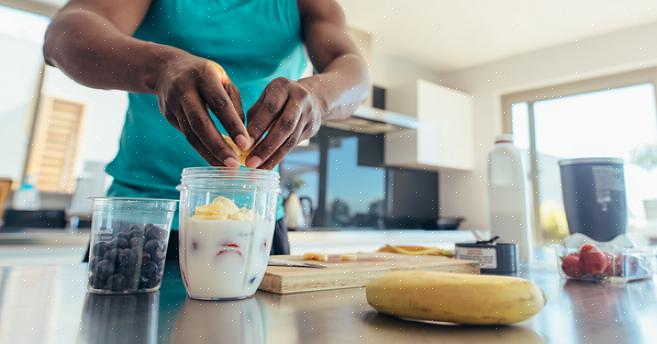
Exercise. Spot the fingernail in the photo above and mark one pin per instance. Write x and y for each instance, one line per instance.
(243, 142)
(253, 162)
(231, 162)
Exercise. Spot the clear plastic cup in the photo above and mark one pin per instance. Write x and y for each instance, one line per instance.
(129, 238)
(227, 219)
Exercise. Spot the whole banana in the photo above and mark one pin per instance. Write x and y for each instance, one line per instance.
(454, 297)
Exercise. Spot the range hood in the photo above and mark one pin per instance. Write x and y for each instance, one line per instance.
(369, 120)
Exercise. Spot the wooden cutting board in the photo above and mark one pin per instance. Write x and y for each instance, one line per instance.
(352, 274)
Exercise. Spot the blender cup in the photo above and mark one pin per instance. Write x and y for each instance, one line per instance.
(227, 219)
(129, 238)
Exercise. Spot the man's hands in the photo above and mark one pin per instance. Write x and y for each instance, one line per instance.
(186, 85)
(289, 112)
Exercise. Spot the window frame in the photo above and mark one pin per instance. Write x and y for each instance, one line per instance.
(531, 96)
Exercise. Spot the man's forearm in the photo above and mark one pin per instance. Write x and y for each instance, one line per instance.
(93, 52)
(341, 86)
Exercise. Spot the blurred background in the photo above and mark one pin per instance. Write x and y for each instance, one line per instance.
(567, 79)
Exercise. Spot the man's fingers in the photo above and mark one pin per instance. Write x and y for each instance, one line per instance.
(236, 98)
(214, 94)
(263, 113)
(171, 118)
(204, 131)
(186, 130)
(284, 127)
(278, 155)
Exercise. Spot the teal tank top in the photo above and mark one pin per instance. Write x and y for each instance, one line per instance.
(254, 40)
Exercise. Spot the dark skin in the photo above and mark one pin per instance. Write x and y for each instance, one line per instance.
(90, 40)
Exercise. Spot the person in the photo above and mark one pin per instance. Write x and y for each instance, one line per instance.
(192, 67)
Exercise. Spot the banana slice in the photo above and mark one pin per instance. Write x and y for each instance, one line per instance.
(320, 257)
(416, 250)
(241, 154)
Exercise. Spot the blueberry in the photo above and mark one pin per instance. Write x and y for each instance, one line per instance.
(93, 262)
(96, 281)
(128, 271)
(136, 242)
(124, 236)
(119, 243)
(143, 283)
(137, 233)
(159, 255)
(104, 268)
(100, 248)
(112, 255)
(123, 243)
(136, 227)
(145, 258)
(116, 282)
(155, 232)
(128, 258)
(149, 270)
(153, 282)
(152, 246)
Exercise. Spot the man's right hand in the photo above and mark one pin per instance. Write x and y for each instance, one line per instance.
(187, 87)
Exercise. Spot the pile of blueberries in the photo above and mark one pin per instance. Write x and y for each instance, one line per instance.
(131, 258)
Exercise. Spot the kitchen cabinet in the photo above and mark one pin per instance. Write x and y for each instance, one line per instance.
(444, 137)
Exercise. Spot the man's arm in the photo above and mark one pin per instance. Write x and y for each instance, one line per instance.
(90, 40)
(292, 111)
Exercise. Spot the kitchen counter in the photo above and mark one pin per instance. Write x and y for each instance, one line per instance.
(53, 246)
(49, 304)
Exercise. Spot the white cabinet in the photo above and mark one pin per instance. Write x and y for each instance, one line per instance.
(444, 138)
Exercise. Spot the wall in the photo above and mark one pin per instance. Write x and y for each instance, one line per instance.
(389, 71)
(465, 193)
(104, 117)
(21, 36)
(20, 73)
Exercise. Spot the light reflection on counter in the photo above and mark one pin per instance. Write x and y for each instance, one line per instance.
(219, 322)
(120, 318)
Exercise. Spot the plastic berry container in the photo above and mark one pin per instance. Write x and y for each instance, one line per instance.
(618, 261)
(129, 238)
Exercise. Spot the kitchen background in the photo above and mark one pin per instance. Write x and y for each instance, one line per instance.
(567, 79)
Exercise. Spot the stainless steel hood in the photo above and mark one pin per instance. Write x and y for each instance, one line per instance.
(369, 120)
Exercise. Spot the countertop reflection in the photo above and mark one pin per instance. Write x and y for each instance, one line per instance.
(50, 305)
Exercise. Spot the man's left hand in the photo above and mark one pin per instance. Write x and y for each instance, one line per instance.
(289, 112)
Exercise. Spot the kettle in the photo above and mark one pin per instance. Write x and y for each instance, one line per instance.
(296, 216)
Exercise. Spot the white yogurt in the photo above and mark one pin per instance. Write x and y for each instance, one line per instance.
(224, 259)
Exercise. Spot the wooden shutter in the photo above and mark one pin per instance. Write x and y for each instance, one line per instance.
(55, 144)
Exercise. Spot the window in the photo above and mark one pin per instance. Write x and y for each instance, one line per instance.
(342, 174)
(605, 117)
(327, 172)
(31, 90)
(300, 173)
(53, 156)
(355, 194)
(21, 37)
